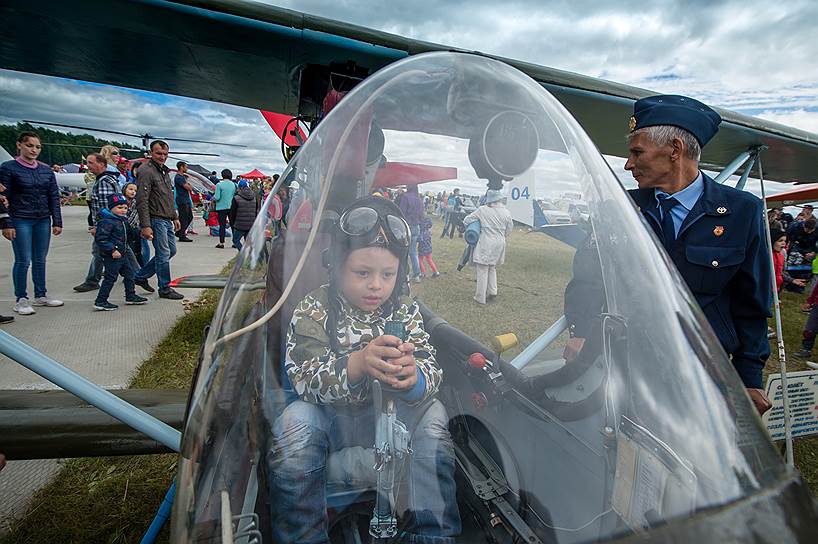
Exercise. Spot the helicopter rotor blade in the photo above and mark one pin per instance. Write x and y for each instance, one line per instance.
(89, 146)
(83, 128)
(193, 153)
(142, 137)
(197, 142)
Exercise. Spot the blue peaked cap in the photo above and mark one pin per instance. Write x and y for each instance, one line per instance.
(678, 111)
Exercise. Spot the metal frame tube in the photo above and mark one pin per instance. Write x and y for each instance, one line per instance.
(19, 351)
(782, 354)
(743, 180)
(542, 342)
(734, 165)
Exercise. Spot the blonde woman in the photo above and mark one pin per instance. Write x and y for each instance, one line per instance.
(111, 154)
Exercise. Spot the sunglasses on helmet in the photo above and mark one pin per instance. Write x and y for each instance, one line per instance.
(365, 221)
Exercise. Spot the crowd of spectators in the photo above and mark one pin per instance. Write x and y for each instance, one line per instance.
(144, 207)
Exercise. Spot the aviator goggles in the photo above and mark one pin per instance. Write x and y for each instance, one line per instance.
(366, 221)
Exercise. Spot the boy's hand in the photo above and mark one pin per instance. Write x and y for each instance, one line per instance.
(116, 254)
(376, 360)
(407, 375)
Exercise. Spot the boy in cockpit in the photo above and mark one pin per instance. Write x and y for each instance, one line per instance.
(336, 347)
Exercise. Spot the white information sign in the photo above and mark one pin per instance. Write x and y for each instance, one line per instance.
(803, 389)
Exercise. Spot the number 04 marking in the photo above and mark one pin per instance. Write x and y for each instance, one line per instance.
(516, 194)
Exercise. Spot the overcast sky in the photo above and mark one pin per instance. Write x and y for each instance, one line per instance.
(755, 57)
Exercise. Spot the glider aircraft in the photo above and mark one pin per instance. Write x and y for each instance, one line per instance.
(649, 437)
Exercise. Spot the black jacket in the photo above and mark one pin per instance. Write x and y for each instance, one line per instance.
(112, 233)
(32, 192)
(244, 209)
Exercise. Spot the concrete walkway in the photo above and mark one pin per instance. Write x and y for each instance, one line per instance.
(105, 347)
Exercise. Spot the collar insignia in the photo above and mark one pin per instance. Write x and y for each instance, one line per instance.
(721, 210)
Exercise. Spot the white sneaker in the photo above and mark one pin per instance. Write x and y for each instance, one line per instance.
(47, 301)
(23, 307)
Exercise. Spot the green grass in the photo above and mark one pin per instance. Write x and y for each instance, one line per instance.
(112, 500)
(521, 307)
(793, 320)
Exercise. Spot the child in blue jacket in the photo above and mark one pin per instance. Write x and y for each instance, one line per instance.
(112, 239)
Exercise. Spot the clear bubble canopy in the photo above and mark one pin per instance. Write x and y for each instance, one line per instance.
(587, 399)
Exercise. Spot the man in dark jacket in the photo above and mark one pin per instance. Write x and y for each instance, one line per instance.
(713, 233)
(243, 212)
(106, 184)
(158, 220)
(802, 236)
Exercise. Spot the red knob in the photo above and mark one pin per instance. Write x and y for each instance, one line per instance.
(478, 361)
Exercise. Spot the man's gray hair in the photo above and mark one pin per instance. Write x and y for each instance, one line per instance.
(665, 134)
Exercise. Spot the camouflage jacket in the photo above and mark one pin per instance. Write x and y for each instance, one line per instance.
(319, 375)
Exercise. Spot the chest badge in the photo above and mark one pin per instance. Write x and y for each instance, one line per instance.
(721, 210)
(718, 231)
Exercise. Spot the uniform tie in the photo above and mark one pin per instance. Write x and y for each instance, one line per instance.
(668, 228)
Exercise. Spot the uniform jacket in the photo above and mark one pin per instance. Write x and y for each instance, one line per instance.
(319, 375)
(721, 253)
(112, 233)
(496, 225)
(244, 210)
(154, 194)
(32, 192)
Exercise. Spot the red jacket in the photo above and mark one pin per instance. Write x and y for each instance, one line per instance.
(778, 266)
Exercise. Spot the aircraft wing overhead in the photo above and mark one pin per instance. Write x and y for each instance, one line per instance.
(253, 55)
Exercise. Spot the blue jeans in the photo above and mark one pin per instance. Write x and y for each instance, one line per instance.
(96, 266)
(146, 250)
(414, 233)
(113, 269)
(30, 247)
(305, 434)
(164, 246)
(238, 235)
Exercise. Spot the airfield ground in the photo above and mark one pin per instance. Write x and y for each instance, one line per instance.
(113, 500)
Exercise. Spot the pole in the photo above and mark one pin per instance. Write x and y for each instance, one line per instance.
(91, 393)
(162, 516)
(743, 180)
(782, 354)
(730, 169)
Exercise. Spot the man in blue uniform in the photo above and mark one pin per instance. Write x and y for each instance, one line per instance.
(713, 233)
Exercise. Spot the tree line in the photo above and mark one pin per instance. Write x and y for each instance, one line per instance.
(54, 154)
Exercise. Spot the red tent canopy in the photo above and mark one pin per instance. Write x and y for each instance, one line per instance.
(278, 121)
(802, 195)
(406, 173)
(253, 174)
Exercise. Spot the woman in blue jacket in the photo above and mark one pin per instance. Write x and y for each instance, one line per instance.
(34, 207)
